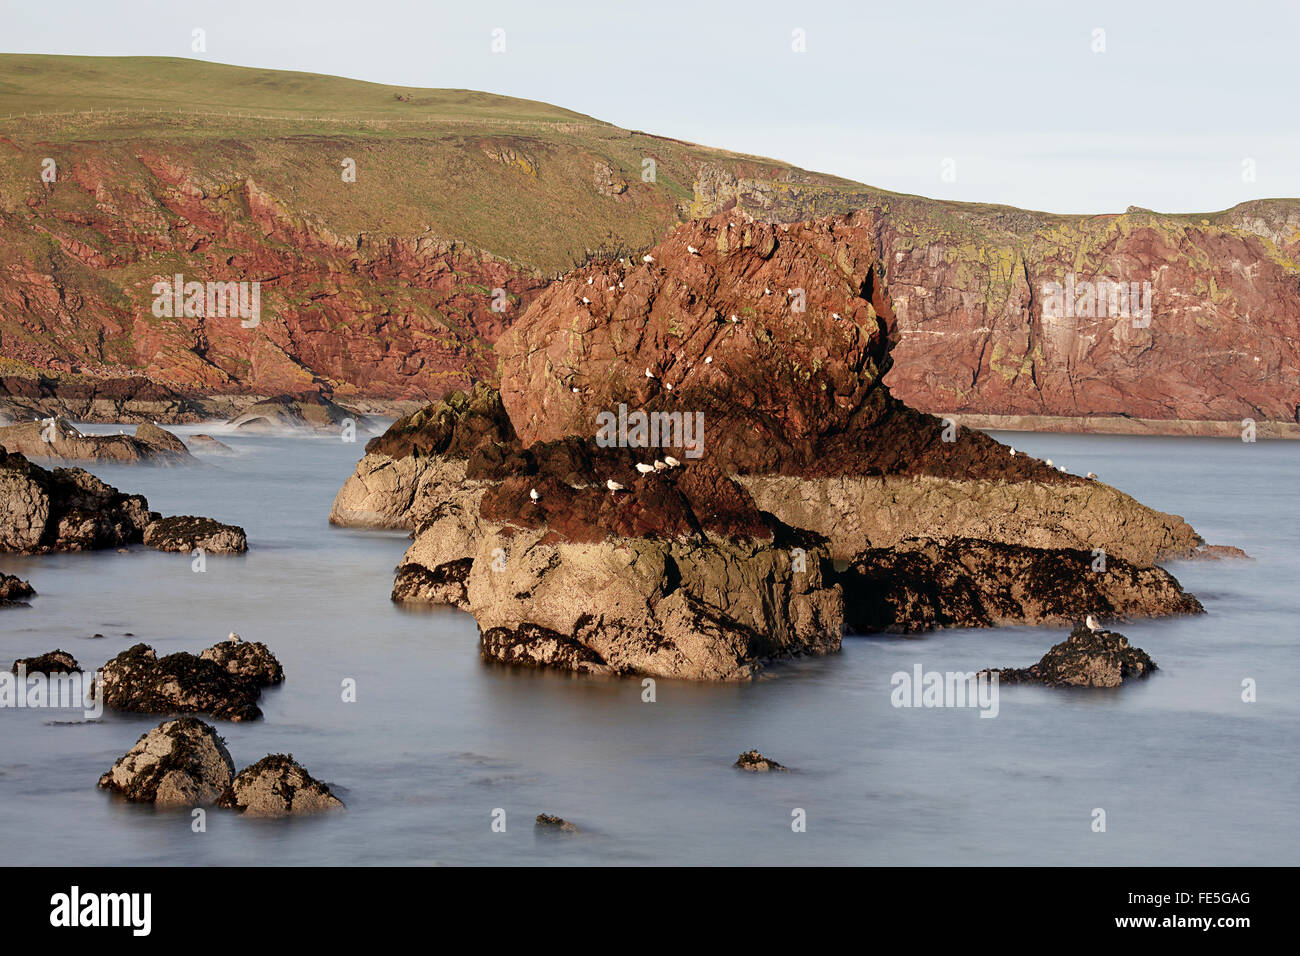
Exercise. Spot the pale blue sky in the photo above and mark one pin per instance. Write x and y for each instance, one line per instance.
(1011, 92)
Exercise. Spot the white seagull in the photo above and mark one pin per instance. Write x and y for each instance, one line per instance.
(708, 360)
(1049, 463)
(1092, 476)
(1092, 625)
(647, 258)
(613, 485)
(659, 465)
(692, 250)
(644, 468)
(835, 315)
(534, 495)
(586, 301)
(671, 462)
(734, 319)
(668, 385)
(649, 374)
(590, 280)
(1013, 453)
(234, 637)
(1060, 468)
(575, 390)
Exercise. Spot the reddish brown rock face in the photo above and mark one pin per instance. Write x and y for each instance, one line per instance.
(793, 385)
(387, 317)
(1220, 341)
(776, 335)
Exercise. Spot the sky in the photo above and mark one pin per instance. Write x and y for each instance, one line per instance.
(1057, 106)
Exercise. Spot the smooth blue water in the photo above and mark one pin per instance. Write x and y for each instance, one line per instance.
(1187, 772)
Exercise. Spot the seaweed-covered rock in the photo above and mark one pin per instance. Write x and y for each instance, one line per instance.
(444, 584)
(180, 763)
(1085, 659)
(754, 762)
(965, 582)
(550, 822)
(276, 786)
(54, 662)
(138, 680)
(66, 509)
(14, 590)
(187, 532)
(249, 660)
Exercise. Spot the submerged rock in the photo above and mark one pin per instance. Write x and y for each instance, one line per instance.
(138, 680)
(962, 582)
(755, 762)
(1084, 659)
(53, 662)
(207, 445)
(14, 590)
(184, 533)
(276, 786)
(180, 763)
(547, 821)
(250, 660)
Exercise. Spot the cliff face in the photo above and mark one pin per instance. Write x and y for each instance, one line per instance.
(971, 288)
(386, 286)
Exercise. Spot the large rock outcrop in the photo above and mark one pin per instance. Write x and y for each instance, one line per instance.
(69, 509)
(66, 509)
(581, 543)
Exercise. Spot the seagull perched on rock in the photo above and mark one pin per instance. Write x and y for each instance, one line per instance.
(647, 258)
(234, 637)
(671, 462)
(590, 279)
(1013, 453)
(644, 468)
(649, 374)
(1092, 625)
(735, 319)
(668, 386)
(1060, 468)
(692, 250)
(586, 301)
(708, 360)
(532, 493)
(1049, 463)
(575, 390)
(835, 315)
(660, 465)
(1092, 476)
(613, 485)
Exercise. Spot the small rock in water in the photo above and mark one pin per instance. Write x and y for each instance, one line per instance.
(276, 786)
(1085, 659)
(546, 821)
(55, 662)
(140, 681)
(247, 659)
(755, 762)
(187, 532)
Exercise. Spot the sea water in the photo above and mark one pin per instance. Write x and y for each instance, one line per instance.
(438, 745)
